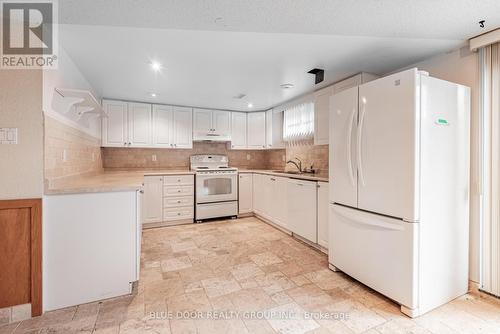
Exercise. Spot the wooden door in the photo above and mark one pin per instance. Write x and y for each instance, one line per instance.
(21, 254)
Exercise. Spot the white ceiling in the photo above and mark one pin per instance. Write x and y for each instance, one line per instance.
(447, 19)
(258, 46)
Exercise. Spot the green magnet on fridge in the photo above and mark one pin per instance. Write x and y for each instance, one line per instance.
(442, 121)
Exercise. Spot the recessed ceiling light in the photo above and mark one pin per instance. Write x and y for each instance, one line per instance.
(153, 94)
(156, 66)
(286, 86)
(250, 105)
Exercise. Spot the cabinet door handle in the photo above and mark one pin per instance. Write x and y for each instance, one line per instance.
(178, 201)
(124, 144)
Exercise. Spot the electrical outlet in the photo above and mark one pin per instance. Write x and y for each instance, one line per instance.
(65, 156)
(283, 157)
(8, 136)
(153, 157)
(249, 157)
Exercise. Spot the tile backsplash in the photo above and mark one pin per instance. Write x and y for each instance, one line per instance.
(179, 158)
(316, 155)
(69, 152)
(157, 158)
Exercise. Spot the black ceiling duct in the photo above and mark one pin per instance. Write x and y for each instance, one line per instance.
(319, 75)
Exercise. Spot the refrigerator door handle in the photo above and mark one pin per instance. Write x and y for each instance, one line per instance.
(349, 147)
(369, 220)
(360, 136)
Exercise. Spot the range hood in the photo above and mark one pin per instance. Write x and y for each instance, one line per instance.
(211, 137)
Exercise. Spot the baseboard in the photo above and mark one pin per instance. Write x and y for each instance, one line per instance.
(147, 226)
(267, 221)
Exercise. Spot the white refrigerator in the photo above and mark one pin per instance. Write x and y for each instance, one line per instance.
(399, 188)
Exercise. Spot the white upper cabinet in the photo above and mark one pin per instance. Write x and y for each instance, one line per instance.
(163, 119)
(183, 127)
(114, 127)
(144, 125)
(139, 125)
(202, 123)
(274, 129)
(173, 126)
(221, 123)
(256, 129)
(211, 124)
(321, 110)
(238, 130)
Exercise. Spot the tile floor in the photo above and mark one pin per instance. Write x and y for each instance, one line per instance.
(253, 279)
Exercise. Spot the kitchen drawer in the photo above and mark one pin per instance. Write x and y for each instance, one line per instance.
(182, 213)
(170, 180)
(174, 202)
(169, 191)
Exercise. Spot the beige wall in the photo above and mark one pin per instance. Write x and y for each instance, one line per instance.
(21, 165)
(462, 66)
(83, 152)
(173, 159)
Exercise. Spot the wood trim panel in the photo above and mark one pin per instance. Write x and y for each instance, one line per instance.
(35, 207)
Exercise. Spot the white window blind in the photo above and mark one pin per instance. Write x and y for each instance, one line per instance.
(298, 123)
(489, 57)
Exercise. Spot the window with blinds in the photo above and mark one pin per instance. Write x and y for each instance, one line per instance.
(298, 123)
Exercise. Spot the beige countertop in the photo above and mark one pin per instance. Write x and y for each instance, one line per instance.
(309, 177)
(107, 181)
(132, 179)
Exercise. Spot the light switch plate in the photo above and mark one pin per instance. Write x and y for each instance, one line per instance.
(8, 136)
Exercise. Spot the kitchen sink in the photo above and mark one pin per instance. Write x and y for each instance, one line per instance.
(284, 172)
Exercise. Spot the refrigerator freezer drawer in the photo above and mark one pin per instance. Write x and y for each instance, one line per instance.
(376, 250)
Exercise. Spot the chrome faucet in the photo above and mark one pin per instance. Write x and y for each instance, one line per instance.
(299, 165)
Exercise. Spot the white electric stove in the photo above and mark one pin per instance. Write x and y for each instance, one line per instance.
(216, 187)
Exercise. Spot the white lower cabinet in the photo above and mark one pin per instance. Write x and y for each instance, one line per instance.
(302, 215)
(270, 198)
(152, 204)
(245, 193)
(168, 198)
(322, 209)
(279, 200)
(178, 198)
